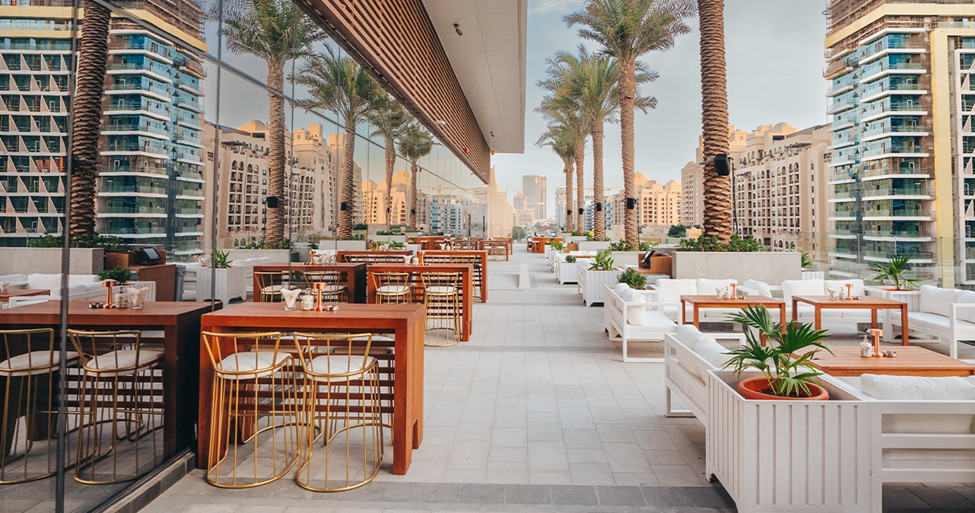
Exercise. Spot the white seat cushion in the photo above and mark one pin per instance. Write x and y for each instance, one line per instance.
(440, 289)
(924, 321)
(262, 362)
(657, 321)
(936, 300)
(375, 338)
(802, 288)
(760, 287)
(34, 362)
(635, 314)
(332, 367)
(670, 290)
(392, 289)
(123, 359)
(272, 289)
(921, 388)
(708, 287)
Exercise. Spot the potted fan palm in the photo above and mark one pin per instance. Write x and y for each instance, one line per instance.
(782, 357)
(895, 270)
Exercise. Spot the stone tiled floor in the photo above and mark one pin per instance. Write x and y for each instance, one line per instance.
(535, 413)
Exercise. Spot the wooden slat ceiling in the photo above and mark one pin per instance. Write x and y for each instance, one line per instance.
(395, 40)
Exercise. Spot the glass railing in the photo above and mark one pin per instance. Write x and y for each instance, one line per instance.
(898, 190)
(877, 130)
(145, 189)
(893, 233)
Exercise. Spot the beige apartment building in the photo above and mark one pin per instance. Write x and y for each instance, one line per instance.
(657, 203)
(242, 183)
(374, 198)
(780, 191)
(500, 212)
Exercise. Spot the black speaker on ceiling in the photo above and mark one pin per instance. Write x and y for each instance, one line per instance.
(272, 201)
(721, 165)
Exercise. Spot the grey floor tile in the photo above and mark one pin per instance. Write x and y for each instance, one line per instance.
(574, 495)
(620, 496)
(528, 494)
(482, 494)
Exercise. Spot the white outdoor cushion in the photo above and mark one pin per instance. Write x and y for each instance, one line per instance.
(856, 288)
(688, 334)
(921, 388)
(925, 321)
(658, 322)
(51, 282)
(331, 367)
(621, 289)
(759, 287)
(966, 297)
(122, 359)
(802, 288)
(39, 362)
(375, 338)
(635, 314)
(392, 289)
(440, 289)
(260, 361)
(712, 351)
(707, 287)
(936, 300)
(670, 290)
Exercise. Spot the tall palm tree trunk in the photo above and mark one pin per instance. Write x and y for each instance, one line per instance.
(569, 211)
(276, 159)
(414, 170)
(346, 209)
(598, 221)
(390, 154)
(580, 156)
(627, 93)
(714, 107)
(92, 60)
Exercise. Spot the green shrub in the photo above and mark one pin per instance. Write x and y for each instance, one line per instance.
(710, 243)
(119, 274)
(570, 259)
(221, 259)
(602, 262)
(634, 279)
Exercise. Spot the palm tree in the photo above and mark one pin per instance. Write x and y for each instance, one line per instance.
(562, 109)
(337, 83)
(89, 93)
(388, 118)
(560, 139)
(276, 31)
(714, 113)
(627, 29)
(415, 143)
(593, 82)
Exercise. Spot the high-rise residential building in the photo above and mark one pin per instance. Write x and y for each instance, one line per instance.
(533, 187)
(778, 181)
(657, 203)
(150, 169)
(692, 179)
(242, 183)
(500, 213)
(374, 196)
(902, 101)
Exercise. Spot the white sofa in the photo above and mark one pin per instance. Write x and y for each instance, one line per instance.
(818, 287)
(627, 318)
(946, 314)
(688, 356)
(14, 280)
(80, 286)
(667, 292)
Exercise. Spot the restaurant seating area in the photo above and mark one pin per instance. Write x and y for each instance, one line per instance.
(523, 394)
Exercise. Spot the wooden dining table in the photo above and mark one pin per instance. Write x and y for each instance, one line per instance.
(405, 322)
(462, 256)
(353, 275)
(180, 324)
(416, 283)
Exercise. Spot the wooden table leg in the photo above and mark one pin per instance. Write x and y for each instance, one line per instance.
(819, 317)
(795, 311)
(904, 328)
(782, 316)
(680, 314)
(873, 318)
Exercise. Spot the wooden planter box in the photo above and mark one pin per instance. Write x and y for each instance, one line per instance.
(788, 456)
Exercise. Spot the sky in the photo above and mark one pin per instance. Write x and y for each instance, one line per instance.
(774, 51)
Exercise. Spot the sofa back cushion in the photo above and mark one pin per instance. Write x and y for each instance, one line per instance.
(51, 282)
(967, 297)
(621, 289)
(707, 287)
(635, 314)
(936, 300)
(760, 287)
(709, 349)
(856, 286)
(670, 290)
(918, 388)
(802, 288)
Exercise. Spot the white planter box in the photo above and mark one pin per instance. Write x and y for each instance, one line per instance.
(566, 272)
(593, 245)
(591, 283)
(274, 256)
(911, 297)
(769, 266)
(790, 456)
(231, 283)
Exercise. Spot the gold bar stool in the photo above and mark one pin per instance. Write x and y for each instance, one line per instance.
(441, 300)
(29, 392)
(392, 287)
(334, 291)
(253, 412)
(121, 387)
(270, 284)
(341, 412)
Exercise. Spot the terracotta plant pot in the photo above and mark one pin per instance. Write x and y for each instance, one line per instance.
(752, 388)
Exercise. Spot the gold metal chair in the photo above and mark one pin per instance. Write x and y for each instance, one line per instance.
(269, 285)
(341, 412)
(253, 410)
(392, 287)
(121, 387)
(334, 291)
(441, 300)
(29, 375)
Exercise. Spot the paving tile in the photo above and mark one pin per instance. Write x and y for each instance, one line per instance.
(483, 494)
(574, 495)
(527, 494)
(620, 496)
(437, 492)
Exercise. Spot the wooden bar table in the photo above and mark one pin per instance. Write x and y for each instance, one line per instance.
(910, 361)
(373, 257)
(466, 278)
(478, 257)
(353, 275)
(406, 322)
(180, 323)
(872, 303)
